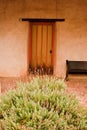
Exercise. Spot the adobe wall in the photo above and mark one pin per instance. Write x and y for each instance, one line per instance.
(13, 39)
(70, 36)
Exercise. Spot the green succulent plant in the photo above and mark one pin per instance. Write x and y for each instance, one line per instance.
(41, 104)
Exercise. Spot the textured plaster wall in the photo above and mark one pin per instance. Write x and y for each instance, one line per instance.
(70, 36)
(13, 39)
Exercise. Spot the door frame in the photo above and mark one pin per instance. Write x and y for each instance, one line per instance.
(30, 40)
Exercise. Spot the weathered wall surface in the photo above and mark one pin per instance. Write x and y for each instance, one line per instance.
(70, 36)
(13, 39)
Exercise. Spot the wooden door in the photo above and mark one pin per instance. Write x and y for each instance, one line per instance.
(41, 45)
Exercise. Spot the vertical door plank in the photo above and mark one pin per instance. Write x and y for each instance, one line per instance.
(33, 46)
(49, 55)
(39, 39)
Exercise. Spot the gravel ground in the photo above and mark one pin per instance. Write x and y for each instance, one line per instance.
(75, 86)
(79, 88)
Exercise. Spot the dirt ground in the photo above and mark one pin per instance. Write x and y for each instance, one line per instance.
(79, 88)
(75, 86)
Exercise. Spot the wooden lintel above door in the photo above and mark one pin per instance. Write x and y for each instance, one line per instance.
(42, 20)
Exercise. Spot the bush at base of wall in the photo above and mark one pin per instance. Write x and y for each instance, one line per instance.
(41, 104)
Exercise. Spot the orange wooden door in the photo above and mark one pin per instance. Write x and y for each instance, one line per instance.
(41, 44)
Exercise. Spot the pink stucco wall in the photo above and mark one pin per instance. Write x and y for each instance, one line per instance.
(13, 39)
(70, 36)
